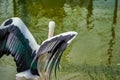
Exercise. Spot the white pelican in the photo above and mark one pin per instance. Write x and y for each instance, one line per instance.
(32, 60)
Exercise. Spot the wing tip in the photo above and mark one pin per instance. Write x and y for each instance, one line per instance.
(73, 34)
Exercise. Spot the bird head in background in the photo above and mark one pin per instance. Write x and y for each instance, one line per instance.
(51, 27)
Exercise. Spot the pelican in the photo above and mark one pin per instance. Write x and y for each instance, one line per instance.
(33, 61)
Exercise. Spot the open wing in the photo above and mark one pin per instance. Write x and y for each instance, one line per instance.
(16, 40)
(54, 48)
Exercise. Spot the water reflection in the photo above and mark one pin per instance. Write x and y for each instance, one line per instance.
(112, 40)
(90, 15)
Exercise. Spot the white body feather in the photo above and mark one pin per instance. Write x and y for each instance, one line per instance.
(27, 75)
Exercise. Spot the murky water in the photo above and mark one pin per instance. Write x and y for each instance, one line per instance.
(98, 37)
(7, 73)
(7, 68)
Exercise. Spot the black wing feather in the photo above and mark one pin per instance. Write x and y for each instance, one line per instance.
(13, 42)
(54, 47)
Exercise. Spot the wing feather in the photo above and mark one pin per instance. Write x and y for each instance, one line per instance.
(14, 42)
(54, 48)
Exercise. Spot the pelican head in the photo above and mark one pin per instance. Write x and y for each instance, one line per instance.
(51, 29)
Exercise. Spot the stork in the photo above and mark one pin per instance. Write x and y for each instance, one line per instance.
(33, 61)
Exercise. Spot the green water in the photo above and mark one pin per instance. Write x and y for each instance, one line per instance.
(88, 55)
(7, 68)
(7, 73)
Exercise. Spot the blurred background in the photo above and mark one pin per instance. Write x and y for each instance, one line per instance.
(93, 55)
